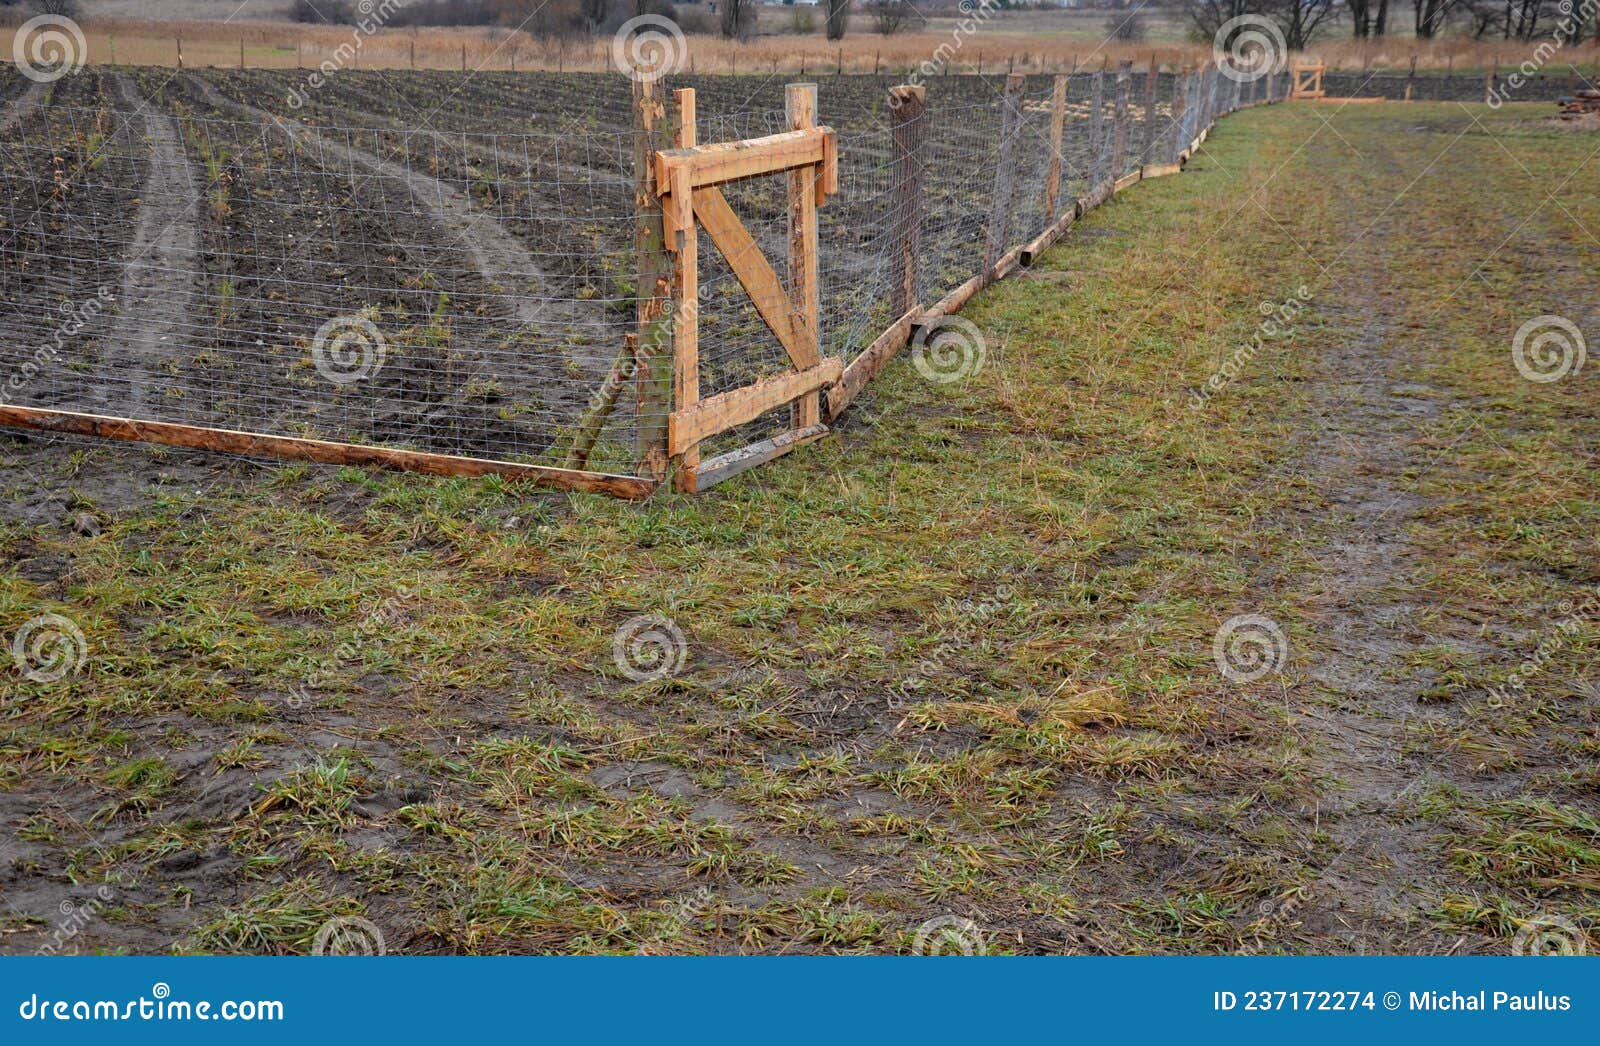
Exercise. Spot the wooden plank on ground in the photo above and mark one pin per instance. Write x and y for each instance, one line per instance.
(726, 466)
(870, 363)
(293, 448)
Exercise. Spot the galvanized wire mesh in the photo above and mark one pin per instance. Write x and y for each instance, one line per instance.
(447, 264)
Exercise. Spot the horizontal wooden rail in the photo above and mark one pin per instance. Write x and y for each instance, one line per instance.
(729, 161)
(719, 413)
(290, 448)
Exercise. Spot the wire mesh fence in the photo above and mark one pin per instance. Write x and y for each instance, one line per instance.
(450, 266)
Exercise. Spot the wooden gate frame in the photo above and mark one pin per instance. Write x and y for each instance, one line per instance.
(1307, 81)
(687, 180)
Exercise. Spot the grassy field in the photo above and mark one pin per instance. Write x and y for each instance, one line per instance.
(957, 662)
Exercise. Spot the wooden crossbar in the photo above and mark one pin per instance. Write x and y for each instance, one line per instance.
(292, 448)
(719, 413)
(730, 161)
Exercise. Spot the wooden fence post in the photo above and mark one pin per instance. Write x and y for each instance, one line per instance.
(906, 107)
(1119, 127)
(1058, 128)
(1096, 126)
(800, 106)
(653, 275)
(686, 300)
(180, 52)
(1180, 116)
(1148, 153)
(1005, 172)
(1488, 87)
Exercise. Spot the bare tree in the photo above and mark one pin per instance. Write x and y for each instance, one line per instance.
(1300, 19)
(739, 19)
(889, 16)
(838, 18)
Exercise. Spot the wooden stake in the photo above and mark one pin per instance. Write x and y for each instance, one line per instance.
(1119, 128)
(906, 109)
(686, 296)
(999, 231)
(800, 104)
(1147, 153)
(180, 52)
(1058, 127)
(653, 284)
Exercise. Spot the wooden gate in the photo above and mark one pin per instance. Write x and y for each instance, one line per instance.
(1307, 81)
(687, 180)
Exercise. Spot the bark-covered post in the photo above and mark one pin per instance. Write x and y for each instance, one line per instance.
(1096, 127)
(1005, 173)
(1119, 129)
(906, 107)
(1180, 115)
(653, 283)
(1148, 152)
(1058, 128)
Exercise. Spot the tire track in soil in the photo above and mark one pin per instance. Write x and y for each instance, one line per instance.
(158, 281)
(1376, 886)
(503, 263)
(25, 103)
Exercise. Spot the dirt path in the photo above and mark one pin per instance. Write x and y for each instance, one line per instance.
(1368, 410)
(158, 282)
